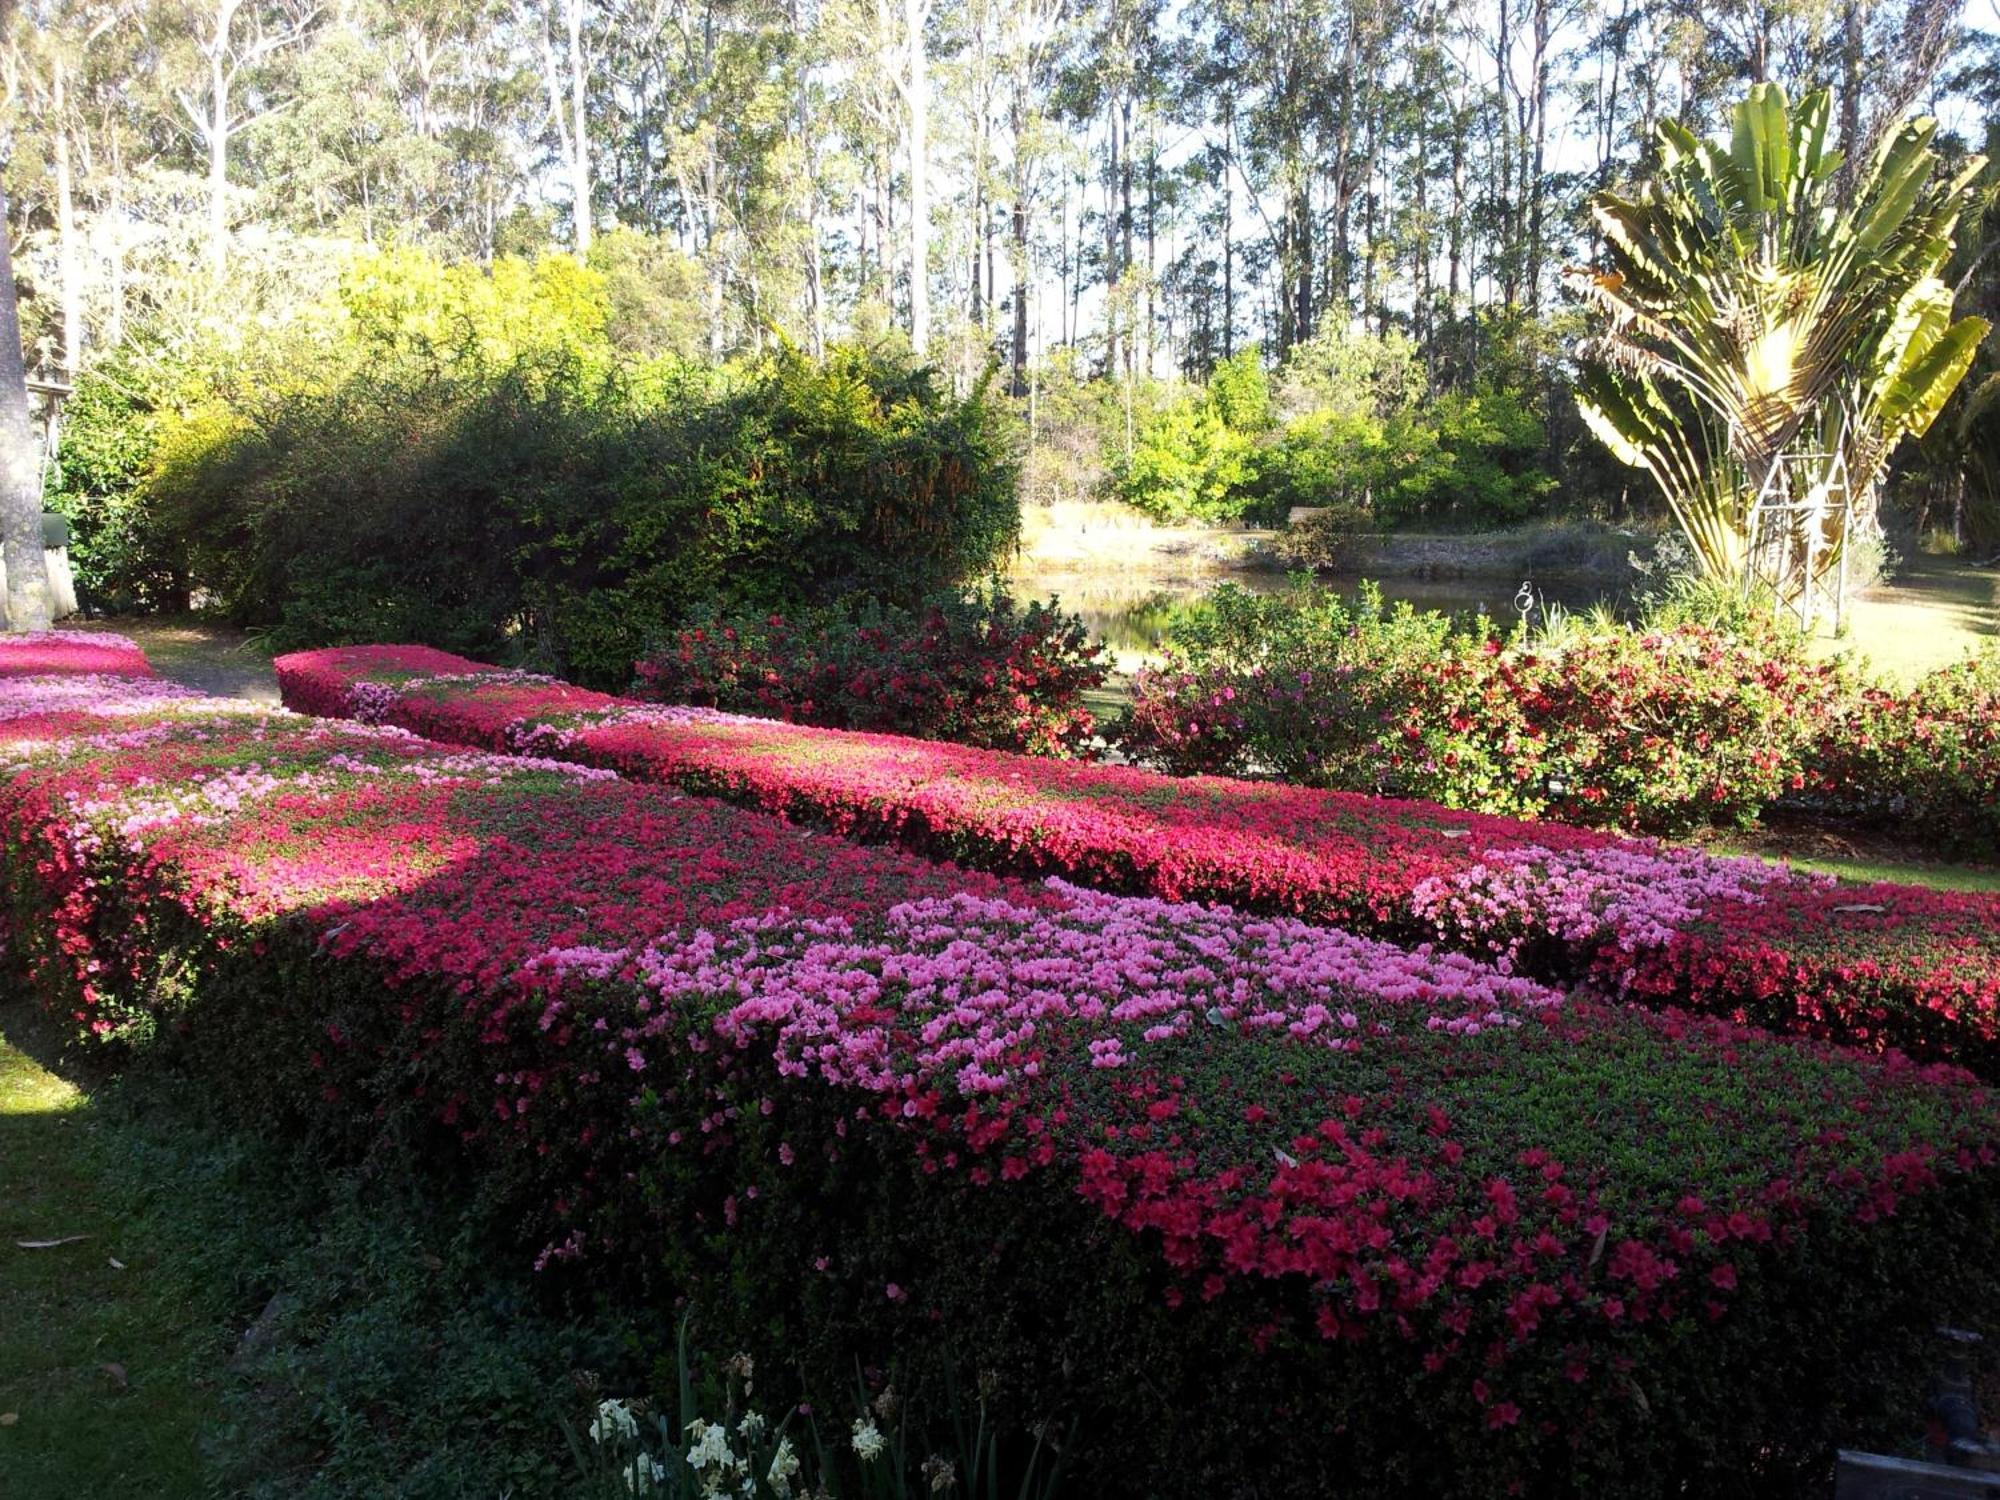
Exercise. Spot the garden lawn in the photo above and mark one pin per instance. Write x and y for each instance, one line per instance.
(103, 1376)
(1881, 965)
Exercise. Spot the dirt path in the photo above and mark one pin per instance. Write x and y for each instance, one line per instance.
(214, 658)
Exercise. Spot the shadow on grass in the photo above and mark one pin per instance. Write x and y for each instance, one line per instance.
(101, 1391)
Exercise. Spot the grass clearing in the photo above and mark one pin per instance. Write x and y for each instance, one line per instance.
(281, 1328)
(100, 1363)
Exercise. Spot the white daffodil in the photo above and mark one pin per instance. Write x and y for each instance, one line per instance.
(868, 1443)
(614, 1419)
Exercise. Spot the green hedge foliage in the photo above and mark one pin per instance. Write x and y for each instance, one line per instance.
(465, 459)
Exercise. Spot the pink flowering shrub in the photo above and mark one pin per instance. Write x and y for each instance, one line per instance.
(70, 652)
(1104, 1148)
(1627, 917)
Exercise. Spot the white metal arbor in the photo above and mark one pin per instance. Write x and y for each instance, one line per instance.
(1799, 531)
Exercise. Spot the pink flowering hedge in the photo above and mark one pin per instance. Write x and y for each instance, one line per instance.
(1464, 1232)
(1876, 966)
(72, 653)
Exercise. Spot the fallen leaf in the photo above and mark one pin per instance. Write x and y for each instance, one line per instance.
(117, 1373)
(68, 1239)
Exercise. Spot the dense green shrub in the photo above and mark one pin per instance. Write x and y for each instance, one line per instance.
(466, 459)
(977, 667)
(1194, 460)
(121, 558)
(1223, 452)
(1651, 729)
(1469, 459)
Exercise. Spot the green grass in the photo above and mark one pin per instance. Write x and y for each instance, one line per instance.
(399, 1353)
(1941, 877)
(103, 1384)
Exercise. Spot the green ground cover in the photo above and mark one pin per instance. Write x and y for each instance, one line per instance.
(103, 1345)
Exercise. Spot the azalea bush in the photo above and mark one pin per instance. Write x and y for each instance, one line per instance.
(979, 668)
(1656, 729)
(1926, 761)
(1470, 1231)
(1882, 965)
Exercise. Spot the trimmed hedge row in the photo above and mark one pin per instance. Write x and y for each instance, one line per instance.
(1876, 966)
(1467, 1233)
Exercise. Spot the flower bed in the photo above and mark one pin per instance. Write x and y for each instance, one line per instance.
(71, 653)
(1104, 1149)
(1880, 965)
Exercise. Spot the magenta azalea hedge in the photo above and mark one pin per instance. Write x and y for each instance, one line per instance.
(1397, 1216)
(1877, 966)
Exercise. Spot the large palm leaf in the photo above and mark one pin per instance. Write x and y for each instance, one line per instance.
(1746, 310)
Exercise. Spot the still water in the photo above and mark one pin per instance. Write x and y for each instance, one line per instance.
(1131, 611)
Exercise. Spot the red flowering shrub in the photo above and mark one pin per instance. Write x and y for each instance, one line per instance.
(1569, 904)
(1926, 761)
(982, 670)
(1466, 1233)
(1655, 730)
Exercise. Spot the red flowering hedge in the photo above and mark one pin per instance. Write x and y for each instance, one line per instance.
(1926, 761)
(1465, 1233)
(980, 669)
(1656, 731)
(1880, 965)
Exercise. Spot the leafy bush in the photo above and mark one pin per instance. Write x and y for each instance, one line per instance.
(1140, 1147)
(1656, 730)
(1187, 464)
(1466, 459)
(1926, 761)
(464, 458)
(122, 559)
(1322, 542)
(978, 668)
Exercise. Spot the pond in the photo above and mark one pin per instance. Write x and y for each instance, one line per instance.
(1131, 611)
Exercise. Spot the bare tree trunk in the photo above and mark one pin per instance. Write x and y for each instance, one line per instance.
(1228, 229)
(218, 139)
(920, 204)
(1019, 237)
(1534, 186)
(579, 172)
(66, 261)
(20, 507)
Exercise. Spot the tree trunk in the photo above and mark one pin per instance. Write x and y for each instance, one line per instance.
(1019, 237)
(1228, 229)
(1852, 24)
(67, 270)
(579, 172)
(218, 140)
(20, 501)
(1535, 186)
(920, 203)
